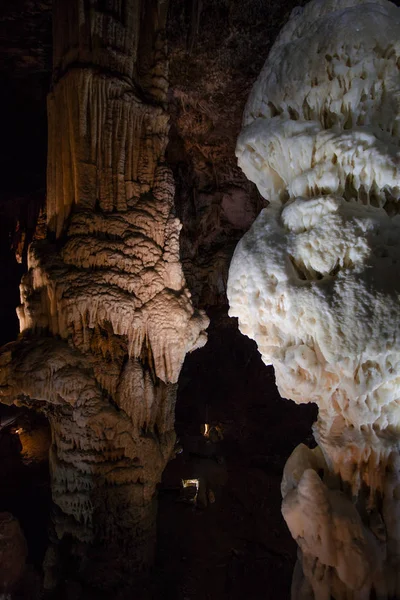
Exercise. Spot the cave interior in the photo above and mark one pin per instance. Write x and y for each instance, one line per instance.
(233, 429)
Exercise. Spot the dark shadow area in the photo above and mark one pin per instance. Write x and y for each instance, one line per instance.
(23, 124)
(24, 473)
(238, 545)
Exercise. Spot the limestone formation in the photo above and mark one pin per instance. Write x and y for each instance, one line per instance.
(13, 553)
(106, 318)
(316, 283)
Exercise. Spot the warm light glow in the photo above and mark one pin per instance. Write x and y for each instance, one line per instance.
(19, 430)
(191, 483)
(217, 434)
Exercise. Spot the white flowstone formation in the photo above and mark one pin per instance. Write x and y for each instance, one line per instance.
(316, 283)
(106, 318)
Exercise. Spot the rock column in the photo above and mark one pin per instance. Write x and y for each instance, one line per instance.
(106, 318)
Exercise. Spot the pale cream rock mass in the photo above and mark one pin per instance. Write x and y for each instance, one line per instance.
(316, 283)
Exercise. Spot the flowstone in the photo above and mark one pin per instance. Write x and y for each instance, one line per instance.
(106, 318)
(315, 282)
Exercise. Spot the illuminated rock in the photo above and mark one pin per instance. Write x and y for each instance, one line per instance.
(106, 318)
(315, 282)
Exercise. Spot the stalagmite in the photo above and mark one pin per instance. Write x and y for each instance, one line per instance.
(315, 283)
(106, 318)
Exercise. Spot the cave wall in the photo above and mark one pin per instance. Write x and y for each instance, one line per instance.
(216, 52)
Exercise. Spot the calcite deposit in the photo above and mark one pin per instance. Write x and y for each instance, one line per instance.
(106, 318)
(315, 283)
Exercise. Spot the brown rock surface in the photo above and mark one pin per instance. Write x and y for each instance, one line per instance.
(105, 316)
(13, 552)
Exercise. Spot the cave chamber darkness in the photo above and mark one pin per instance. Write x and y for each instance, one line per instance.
(236, 544)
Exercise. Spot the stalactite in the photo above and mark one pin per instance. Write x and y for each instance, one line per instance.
(106, 319)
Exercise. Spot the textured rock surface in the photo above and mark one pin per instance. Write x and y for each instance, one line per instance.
(105, 316)
(13, 553)
(216, 51)
(314, 282)
(217, 48)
